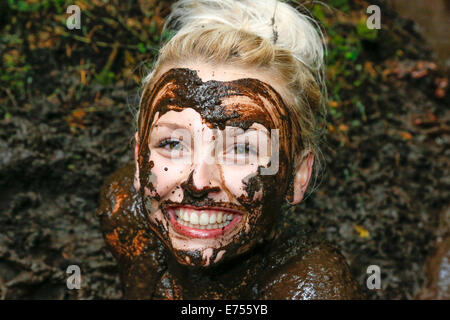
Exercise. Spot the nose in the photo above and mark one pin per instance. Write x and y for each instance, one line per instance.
(200, 182)
(204, 177)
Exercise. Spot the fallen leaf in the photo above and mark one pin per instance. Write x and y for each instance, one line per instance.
(368, 66)
(331, 128)
(83, 76)
(405, 135)
(343, 127)
(419, 74)
(78, 114)
(333, 104)
(75, 119)
(363, 232)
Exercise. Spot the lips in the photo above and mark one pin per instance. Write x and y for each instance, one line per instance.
(203, 222)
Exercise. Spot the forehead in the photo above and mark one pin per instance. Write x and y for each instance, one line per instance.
(239, 102)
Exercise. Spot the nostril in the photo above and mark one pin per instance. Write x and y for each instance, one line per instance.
(198, 194)
(189, 187)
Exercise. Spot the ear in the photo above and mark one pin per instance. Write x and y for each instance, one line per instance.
(302, 177)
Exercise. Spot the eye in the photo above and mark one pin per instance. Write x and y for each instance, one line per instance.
(170, 144)
(243, 149)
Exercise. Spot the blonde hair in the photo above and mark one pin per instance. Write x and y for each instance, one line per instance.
(269, 35)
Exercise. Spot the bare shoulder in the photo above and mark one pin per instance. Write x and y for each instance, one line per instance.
(320, 272)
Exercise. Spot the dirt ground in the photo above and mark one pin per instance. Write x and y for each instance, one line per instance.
(67, 105)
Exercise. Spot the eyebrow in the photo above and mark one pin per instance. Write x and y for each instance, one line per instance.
(234, 132)
(171, 125)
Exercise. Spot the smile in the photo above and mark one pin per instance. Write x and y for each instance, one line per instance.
(203, 222)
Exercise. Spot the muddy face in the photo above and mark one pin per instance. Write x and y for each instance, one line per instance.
(199, 164)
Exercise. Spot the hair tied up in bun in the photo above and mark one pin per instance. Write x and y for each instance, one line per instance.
(284, 25)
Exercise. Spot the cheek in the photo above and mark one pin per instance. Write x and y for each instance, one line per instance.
(166, 177)
(234, 177)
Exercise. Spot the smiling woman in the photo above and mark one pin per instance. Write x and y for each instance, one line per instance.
(206, 203)
(227, 133)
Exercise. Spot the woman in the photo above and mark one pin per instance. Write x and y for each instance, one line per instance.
(227, 132)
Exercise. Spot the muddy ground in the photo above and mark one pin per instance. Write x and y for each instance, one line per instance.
(67, 105)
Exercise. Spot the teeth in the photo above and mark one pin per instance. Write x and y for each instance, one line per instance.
(180, 214)
(204, 219)
(194, 218)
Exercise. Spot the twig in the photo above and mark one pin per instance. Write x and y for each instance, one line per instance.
(11, 96)
(98, 43)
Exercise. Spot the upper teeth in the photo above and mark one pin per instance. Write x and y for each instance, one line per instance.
(203, 219)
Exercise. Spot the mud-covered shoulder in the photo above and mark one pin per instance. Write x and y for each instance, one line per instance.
(140, 255)
(321, 273)
(116, 188)
(305, 267)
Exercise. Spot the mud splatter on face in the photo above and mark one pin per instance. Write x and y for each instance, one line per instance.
(239, 103)
(192, 194)
(181, 88)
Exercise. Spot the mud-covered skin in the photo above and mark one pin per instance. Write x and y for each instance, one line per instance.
(291, 266)
(215, 101)
(319, 272)
(186, 90)
(140, 255)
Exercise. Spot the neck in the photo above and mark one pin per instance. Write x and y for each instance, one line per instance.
(229, 280)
